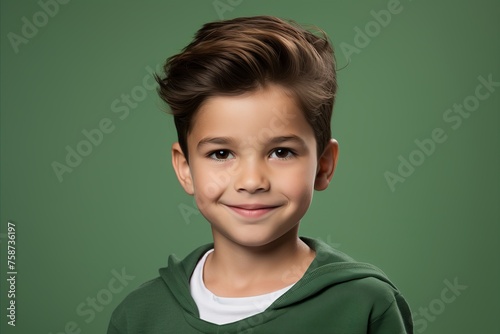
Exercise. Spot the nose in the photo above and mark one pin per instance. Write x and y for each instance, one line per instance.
(252, 178)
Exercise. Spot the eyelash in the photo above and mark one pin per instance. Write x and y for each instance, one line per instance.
(290, 154)
(210, 154)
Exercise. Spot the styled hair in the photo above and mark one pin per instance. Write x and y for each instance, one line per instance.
(240, 55)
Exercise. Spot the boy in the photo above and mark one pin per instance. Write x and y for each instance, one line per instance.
(252, 100)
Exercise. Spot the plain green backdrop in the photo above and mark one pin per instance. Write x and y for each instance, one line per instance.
(121, 210)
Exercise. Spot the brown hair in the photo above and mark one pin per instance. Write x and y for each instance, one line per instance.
(240, 55)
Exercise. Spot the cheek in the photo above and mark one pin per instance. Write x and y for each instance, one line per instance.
(298, 183)
(300, 191)
(210, 183)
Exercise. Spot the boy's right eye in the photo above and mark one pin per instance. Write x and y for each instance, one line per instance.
(221, 155)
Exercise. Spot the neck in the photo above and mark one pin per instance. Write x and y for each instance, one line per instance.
(237, 270)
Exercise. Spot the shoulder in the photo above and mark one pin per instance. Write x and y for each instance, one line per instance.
(381, 301)
(151, 304)
(160, 301)
(376, 294)
(352, 287)
(142, 298)
(372, 300)
(173, 282)
(147, 291)
(360, 283)
(389, 311)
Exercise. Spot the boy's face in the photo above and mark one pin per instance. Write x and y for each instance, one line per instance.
(253, 165)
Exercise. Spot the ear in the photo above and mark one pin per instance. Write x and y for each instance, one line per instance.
(326, 165)
(182, 169)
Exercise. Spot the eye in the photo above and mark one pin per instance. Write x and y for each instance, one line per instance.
(221, 155)
(282, 153)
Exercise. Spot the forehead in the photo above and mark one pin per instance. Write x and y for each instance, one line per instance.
(266, 112)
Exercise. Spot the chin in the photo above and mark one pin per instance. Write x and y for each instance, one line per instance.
(252, 239)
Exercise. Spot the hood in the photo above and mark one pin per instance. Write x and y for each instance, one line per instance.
(329, 267)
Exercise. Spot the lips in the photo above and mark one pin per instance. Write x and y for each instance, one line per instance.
(252, 210)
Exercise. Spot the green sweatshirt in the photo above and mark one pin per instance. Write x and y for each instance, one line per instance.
(336, 295)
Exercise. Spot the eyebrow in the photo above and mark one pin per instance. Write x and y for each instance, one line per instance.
(272, 141)
(215, 140)
(284, 139)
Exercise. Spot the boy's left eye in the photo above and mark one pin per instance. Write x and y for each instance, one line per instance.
(281, 153)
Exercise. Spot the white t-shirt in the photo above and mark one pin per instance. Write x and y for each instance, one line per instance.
(224, 310)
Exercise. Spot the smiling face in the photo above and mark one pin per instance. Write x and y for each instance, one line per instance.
(253, 166)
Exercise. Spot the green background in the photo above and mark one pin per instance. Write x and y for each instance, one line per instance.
(121, 206)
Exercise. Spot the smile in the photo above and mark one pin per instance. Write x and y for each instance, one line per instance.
(252, 210)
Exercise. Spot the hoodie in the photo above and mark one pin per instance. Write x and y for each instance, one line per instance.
(336, 295)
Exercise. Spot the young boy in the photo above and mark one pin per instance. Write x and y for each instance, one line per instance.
(252, 100)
